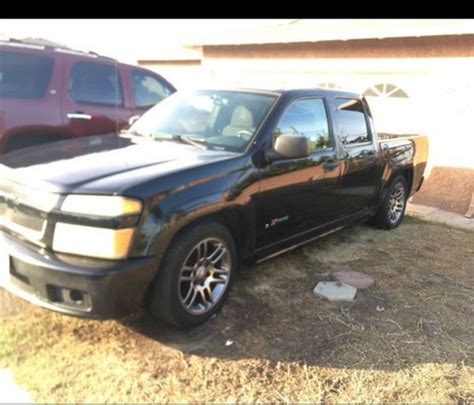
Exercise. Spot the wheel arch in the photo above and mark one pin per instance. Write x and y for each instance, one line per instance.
(233, 218)
(379, 219)
(406, 173)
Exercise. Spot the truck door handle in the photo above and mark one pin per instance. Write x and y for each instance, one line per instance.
(363, 153)
(79, 116)
(330, 165)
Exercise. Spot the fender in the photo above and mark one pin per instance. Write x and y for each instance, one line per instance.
(228, 197)
(399, 160)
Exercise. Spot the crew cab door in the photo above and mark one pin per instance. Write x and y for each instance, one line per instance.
(361, 165)
(298, 194)
(93, 100)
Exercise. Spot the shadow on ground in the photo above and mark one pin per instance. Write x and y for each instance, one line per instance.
(407, 338)
(417, 311)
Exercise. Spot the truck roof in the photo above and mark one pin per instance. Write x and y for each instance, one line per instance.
(293, 92)
(318, 91)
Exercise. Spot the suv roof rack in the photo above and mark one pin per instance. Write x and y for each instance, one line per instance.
(40, 43)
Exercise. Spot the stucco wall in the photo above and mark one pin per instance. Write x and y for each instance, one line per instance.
(434, 72)
(434, 46)
(439, 91)
(180, 73)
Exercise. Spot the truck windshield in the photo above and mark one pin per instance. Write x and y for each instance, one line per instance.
(225, 120)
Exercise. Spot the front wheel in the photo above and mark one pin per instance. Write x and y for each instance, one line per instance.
(390, 214)
(195, 276)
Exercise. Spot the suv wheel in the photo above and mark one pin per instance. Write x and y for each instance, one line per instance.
(390, 214)
(195, 276)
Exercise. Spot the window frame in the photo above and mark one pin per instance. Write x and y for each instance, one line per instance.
(367, 123)
(332, 138)
(51, 60)
(120, 84)
(156, 76)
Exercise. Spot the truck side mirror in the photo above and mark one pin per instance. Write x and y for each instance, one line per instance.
(290, 146)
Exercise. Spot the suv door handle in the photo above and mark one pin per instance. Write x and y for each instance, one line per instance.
(330, 165)
(79, 116)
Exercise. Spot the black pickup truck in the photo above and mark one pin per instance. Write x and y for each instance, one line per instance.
(162, 214)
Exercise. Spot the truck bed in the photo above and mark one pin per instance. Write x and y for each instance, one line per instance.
(406, 148)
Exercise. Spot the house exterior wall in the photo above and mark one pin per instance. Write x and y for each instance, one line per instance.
(409, 47)
(434, 72)
(181, 73)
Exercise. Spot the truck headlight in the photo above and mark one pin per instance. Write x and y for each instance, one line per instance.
(92, 241)
(101, 205)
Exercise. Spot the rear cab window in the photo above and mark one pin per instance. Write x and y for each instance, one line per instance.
(352, 122)
(306, 117)
(95, 83)
(24, 75)
(148, 89)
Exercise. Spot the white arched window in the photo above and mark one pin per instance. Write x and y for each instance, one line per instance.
(385, 90)
(388, 104)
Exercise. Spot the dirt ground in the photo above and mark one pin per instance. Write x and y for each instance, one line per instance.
(409, 338)
(447, 188)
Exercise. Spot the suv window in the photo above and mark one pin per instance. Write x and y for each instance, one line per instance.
(148, 90)
(95, 83)
(24, 75)
(306, 117)
(352, 121)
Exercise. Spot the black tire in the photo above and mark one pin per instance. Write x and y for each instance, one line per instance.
(166, 300)
(384, 217)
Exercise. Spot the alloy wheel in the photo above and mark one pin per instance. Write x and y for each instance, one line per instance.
(204, 276)
(396, 203)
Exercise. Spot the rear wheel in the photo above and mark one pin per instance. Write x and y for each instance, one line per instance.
(195, 276)
(390, 214)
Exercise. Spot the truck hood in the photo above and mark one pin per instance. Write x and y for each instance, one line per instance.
(74, 165)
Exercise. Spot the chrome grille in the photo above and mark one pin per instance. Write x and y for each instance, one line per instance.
(21, 210)
(32, 222)
(31, 227)
(12, 191)
(28, 196)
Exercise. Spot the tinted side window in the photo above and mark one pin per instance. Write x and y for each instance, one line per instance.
(148, 90)
(24, 75)
(352, 121)
(306, 117)
(95, 83)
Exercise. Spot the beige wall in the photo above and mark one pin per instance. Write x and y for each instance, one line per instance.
(434, 46)
(436, 73)
(182, 74)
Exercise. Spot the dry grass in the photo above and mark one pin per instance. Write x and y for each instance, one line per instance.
(288, 345)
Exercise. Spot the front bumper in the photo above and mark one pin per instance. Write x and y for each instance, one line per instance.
(85, 287)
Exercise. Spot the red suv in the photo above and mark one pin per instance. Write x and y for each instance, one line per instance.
(50, 93)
